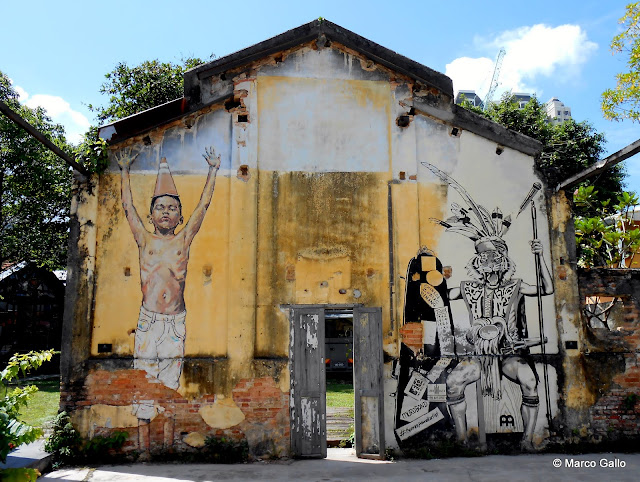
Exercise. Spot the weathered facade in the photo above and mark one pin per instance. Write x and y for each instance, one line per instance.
(319, 171)
(31, 302)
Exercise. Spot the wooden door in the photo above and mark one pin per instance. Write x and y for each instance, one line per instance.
(308, 383)
(367, 382)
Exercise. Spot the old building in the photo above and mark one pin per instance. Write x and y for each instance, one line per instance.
(31, 302)
(312, 174)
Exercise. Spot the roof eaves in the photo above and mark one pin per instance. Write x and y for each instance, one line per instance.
(12, 269)
(332, 32)
(458, 116)
(149, 119)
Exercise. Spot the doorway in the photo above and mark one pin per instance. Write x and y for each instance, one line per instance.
(338, 330)
(308, 369)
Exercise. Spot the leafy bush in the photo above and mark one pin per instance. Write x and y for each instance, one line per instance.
(19, 475)
(224, 451)
(65, 442)
(67, 446)
(100, 446)
(602, 239)
(14, 432)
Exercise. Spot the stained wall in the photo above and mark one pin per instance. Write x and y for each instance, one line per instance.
(323, 197)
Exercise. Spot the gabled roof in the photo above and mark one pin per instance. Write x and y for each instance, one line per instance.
(324, 32)
(316, 30)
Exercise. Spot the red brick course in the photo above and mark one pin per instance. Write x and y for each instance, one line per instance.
(264, 405)
(411, 335)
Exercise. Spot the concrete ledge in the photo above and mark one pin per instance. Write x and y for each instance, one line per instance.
(29, 456)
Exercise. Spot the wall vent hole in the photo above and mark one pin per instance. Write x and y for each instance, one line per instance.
(104, 347)
(232, 103)
(403, 120)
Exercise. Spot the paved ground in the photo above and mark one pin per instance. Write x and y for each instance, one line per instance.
(342, 465)
(339, 424)
(28, 455)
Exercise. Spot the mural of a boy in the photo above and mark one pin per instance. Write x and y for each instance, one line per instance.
(164, 255)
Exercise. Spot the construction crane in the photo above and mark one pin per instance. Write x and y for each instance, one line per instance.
(494, 79)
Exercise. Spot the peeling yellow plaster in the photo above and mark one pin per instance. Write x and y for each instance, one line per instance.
(194, 439)
(320, 280)
(223, 413)
(109, 416)
(284, 383)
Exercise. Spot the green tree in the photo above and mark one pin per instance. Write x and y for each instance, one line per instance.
(34, 188)
(568, 147)
(131, 90)
(602, 239)
(14, 432)
(134, 89)
(623, 102)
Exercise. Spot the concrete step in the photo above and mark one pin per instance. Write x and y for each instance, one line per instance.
(31, 456)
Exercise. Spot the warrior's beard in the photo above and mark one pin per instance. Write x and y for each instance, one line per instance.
(487, 335)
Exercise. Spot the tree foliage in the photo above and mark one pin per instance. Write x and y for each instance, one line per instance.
(131, 90)
(34, 188)
(602, 239)
(623, 102)
(568, 147)
(134, 89)
(14, 432)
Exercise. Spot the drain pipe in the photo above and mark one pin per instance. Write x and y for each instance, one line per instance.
(391, 253)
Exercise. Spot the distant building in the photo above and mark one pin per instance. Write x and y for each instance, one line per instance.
(31, 308)
(557, 112)
(522, 99)
(469, 95)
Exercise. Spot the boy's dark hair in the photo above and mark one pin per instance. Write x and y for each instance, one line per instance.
(153, 202)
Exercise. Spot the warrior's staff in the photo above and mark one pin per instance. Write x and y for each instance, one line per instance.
(534, 219)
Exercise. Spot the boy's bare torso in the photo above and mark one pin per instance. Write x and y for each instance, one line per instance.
(164, 255)
(163, 270)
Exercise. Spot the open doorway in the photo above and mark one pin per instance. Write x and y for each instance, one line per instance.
(308, 379)
(339, 377)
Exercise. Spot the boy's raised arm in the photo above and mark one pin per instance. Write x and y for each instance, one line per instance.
(196, 219)
(125, 160)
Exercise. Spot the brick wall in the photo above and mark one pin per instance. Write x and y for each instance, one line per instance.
(265, 408)
(411, 335)
(612, 353)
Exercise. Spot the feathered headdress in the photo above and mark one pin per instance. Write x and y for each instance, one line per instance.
(485, 230)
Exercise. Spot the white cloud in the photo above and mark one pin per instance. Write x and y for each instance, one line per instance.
(471, 74)
(60, 111)
(532, 54)
(21, 93)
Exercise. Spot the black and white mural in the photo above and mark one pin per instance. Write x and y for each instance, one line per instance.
(488, 347)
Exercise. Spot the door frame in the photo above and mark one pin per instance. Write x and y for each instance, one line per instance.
(307, 427)
(358, 359)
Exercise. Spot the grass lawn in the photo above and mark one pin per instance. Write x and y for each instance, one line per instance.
(339, 394)
(43, 405)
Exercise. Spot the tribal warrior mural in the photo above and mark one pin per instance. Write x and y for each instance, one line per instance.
(494, 299)
(164, 255)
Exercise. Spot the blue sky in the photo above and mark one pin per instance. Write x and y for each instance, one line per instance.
(57, 53)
